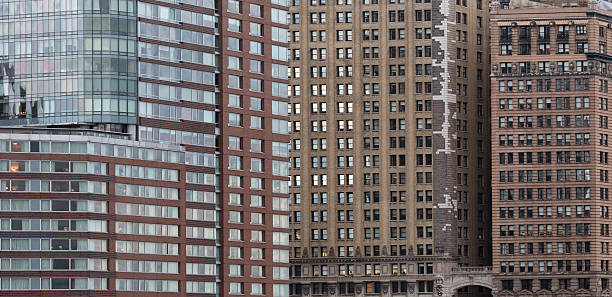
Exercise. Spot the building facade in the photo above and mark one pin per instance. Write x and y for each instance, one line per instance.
(389, 144)
(140, 129)
(549, 109)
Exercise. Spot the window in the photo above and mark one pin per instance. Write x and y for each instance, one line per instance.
(234, 25)
(256, 66)
(235, 119)
(256, 48)
(255, 10)
(257, 122)
(234, 82)
(234, 44)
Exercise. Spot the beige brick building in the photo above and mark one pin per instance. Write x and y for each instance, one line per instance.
(390, 144)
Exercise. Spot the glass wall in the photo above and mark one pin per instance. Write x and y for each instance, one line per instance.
(68, 61)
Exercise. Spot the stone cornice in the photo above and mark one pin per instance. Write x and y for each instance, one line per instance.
(382, 259)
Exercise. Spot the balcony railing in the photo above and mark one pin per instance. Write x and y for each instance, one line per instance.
(476, 269)
(563, 36)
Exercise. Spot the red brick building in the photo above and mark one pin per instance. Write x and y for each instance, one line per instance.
(550, 168)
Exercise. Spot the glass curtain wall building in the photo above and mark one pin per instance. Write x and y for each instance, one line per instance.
(131, 130)
(68, 62)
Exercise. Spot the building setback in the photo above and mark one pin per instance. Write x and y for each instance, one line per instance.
(550, 168)
(144, 148)
(389, 144)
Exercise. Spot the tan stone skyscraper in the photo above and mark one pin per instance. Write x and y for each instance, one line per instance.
(550, 168)
(389, 144)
